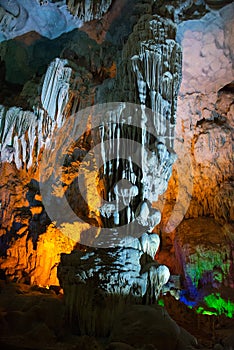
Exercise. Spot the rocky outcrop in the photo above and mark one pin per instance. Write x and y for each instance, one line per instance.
(106, 280)
(34, 316)
(30, 246)
(204, 148)
(160, 331)
(209, 41)
(24, 136)
(26, 254)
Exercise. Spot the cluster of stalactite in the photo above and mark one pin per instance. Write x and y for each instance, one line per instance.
(88, 10)
(149, 74)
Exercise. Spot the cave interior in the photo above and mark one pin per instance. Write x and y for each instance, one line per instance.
(116, 174)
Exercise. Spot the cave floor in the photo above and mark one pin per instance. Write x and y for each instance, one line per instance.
(32, 317)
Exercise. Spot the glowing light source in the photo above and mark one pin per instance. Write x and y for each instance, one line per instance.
(222, 306)
(161, 302)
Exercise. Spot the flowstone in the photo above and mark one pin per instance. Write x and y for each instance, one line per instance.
(107, 280)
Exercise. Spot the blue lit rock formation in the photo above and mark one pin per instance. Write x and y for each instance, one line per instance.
(17, 18)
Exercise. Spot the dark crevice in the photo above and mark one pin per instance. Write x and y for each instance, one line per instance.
(227, 88)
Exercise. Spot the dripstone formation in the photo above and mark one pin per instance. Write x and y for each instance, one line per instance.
(112, 150)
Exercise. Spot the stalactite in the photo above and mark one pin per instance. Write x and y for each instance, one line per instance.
(54, 95)
(87, 10)
(154, 69)
(156, 64)
(23, 133)
(15, 144)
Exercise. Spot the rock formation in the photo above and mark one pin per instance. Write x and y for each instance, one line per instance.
(204, 128)
(153, 69)
(151, 320)
(106, 280)
(23, 133)
(17, 18)
(88, 10)
(130, 54)
(205, 265)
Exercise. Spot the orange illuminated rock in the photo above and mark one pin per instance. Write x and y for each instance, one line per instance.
(25, 263)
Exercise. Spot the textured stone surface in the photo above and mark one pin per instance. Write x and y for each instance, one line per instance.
(30, 246)
(149, 73)
(202, 181)
(204, 122)
(159, 330)
(33, 318)
(88, 10)
(153, 74)
(190, 122)
(107, 280)
(207, 52)
(204, 250)
(17, 18)
(23, 133)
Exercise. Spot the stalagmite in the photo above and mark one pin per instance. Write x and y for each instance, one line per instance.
(137, 160)
(115, 275)
(150, 244)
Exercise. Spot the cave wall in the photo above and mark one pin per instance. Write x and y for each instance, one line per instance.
(205, 138)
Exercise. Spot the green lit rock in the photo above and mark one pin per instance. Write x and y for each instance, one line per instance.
(204, 251)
